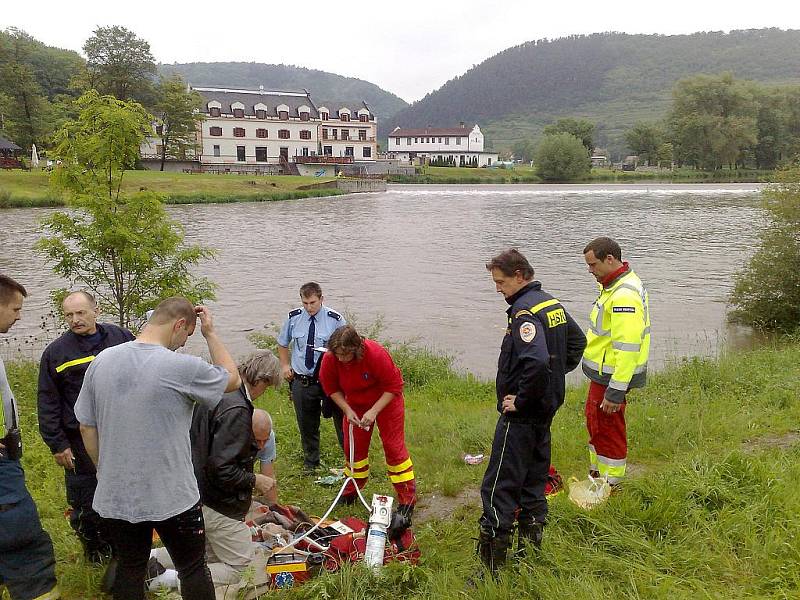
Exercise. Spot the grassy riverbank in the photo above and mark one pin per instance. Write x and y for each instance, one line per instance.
(32, 188)
(526, 174)
(709, 511)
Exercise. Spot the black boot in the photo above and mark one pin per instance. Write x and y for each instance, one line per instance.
(401, 520)
(530, 532)
(493, 549)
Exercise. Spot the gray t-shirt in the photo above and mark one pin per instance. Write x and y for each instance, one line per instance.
(8, 417)
(140, 398)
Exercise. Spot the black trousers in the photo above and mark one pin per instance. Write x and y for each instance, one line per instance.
(27, 561)
(307, 400)
(92, 530)
(516, 475)
(185, 539)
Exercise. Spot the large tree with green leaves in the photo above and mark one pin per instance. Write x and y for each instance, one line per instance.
(713, 120)
(177, 118)
(562, 157)
(27, 114)
(119, 63)
(122, 247)
(580, 128)
(766, 294)
(644, 140)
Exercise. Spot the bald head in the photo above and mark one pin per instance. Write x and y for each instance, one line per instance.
(262, 426)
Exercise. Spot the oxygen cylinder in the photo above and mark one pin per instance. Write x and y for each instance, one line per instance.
(379, 520)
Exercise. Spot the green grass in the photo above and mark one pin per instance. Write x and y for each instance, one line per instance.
(32, 188)
(451, 175)
(709, 510)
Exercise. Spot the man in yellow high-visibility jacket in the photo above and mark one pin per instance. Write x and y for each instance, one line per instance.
(615, 359)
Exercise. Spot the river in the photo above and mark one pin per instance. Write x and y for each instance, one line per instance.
(414, 255)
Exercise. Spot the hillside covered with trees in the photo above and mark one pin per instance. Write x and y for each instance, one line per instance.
(611, 79)
(322, 85)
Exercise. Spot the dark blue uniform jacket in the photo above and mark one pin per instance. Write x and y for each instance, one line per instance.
(542, 344)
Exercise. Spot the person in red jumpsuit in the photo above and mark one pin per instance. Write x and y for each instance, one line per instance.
(361, 378)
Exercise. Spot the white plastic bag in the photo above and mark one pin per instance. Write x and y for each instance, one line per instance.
(590, 492)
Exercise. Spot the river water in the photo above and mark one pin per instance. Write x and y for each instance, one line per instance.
(415, 256)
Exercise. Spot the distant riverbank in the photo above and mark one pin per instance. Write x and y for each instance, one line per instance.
(32, 188)
(526, 174)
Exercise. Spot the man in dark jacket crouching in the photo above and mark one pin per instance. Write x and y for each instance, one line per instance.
(224, 450)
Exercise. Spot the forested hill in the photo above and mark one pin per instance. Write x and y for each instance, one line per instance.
(612, 79)
(321, 84)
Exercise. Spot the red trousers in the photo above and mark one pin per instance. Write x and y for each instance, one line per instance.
(608, 441)
(391, 426)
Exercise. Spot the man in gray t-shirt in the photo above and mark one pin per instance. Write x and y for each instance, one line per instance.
(135, 410)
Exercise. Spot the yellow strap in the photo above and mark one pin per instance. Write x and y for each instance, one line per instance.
(286, 568)
(357, 475)
(72, 363)
(401, 467)
(401, 478)
(544, 304)
(361, 463)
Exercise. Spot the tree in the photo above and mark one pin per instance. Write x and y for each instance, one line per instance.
(580, 128)
(644, 140)
(177, 119)
(712, 120)
(766, 294)
(524, 150)
(27, 113)
(562, 157)
(124, 248)
(119, 63)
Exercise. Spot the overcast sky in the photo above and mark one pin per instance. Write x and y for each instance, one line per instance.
(409, 48)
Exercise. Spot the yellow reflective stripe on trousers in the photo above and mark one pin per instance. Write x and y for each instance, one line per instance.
(361, 463)
(544, 304)
(592, 458)
(611, 468)
(401, 467)
(402, 477)
(72, 363)
(357, 474)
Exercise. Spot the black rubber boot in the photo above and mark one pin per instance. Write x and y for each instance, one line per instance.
(493, 549)
(401, 520)
(529, 533)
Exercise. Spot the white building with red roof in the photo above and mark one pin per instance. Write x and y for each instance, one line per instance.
(458, 146)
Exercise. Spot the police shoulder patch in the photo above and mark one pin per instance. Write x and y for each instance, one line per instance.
(527, 331)
(295, 312)
(623, 309)
(334, 315)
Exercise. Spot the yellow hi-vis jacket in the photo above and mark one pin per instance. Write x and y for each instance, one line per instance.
(618, 340)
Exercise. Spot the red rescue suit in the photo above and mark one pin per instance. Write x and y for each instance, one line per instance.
(363, 381)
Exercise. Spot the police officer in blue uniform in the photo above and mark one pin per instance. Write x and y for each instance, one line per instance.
(542, 343)
(304, 330)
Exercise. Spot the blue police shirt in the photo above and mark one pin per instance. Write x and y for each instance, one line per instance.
(295, 331)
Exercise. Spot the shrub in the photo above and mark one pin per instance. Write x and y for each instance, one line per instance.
(562, 157)
(766, 294)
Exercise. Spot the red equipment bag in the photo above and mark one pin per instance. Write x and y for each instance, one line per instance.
(351, 546)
